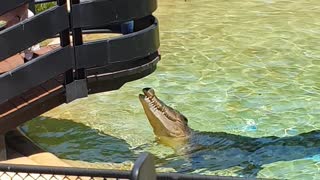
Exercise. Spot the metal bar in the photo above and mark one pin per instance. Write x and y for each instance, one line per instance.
(178, 176)
(68, 77)
(3, 148)
(64, 38)
(77, 36)
(32, 6)
(136, 45)
(76, 31)
(61, 2)
(29, 32)
(115, 77)
(77, 88)
(11, 4)
(101, 13)
(77, 41)
(65, 41)
(64, 35)
(34, 73)
(69, 171)
(144, 168)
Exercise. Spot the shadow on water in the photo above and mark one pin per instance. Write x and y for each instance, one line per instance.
(75, 141)
(217, 151)
(207, 151)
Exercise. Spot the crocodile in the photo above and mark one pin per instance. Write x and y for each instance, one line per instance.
(221, 150)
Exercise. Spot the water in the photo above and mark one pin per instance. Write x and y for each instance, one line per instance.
(248, 68)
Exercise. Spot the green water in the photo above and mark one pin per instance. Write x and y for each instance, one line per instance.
(248, 68)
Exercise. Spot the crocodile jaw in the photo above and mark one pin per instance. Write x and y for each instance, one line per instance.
(165, 121)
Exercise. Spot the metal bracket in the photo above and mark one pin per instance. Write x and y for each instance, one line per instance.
(76, 89)
(3, 148)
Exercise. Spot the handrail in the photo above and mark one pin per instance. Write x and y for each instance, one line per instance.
(27, 33)
(34, 73)
(33, 30)
(143, 169)
(105, 52)
(104, 12)
(78, 62)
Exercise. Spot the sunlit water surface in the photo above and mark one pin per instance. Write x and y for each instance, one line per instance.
(248, 68)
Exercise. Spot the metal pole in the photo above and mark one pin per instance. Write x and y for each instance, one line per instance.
(78, 88)
(144, 168)
(32, 6)
(77, 40)
(65, 41)
(3, 148)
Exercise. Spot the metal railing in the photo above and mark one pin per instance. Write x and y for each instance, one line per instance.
(82, 59)
(143, 169)
(29, 172)
(82, 67)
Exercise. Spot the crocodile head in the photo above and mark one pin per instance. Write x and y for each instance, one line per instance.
(165, 121)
